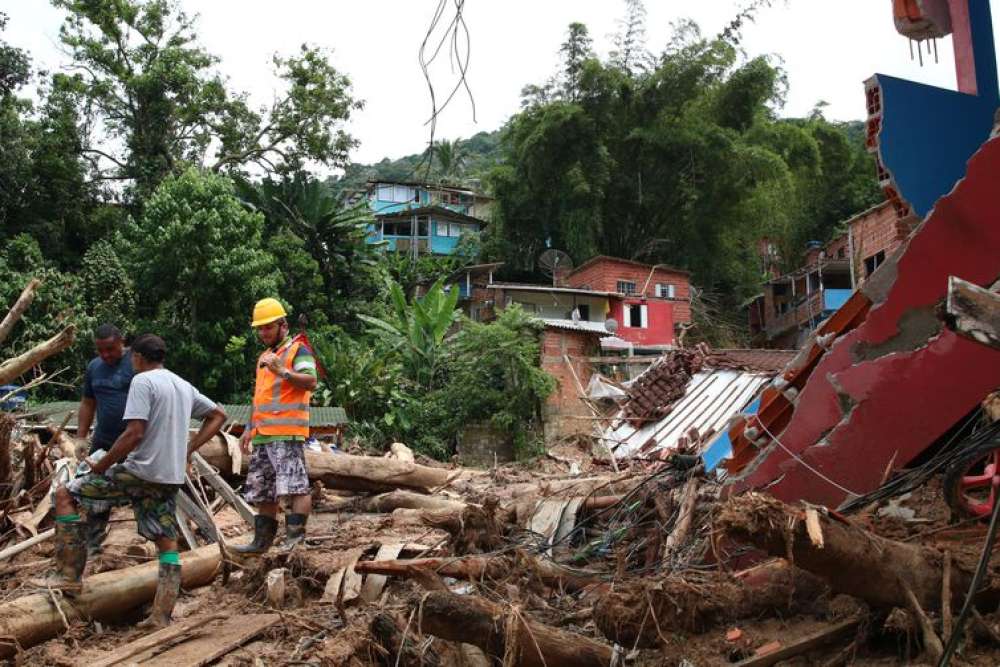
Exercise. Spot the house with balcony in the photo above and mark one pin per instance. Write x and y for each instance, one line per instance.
(422, 218)
(642, 307)
(793, 304)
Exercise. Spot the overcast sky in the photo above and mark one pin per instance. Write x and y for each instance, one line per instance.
(828, 50)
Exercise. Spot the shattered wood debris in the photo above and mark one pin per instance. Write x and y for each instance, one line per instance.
(409, 563)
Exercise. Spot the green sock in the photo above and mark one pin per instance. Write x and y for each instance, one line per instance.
(170, 558)
(68, 518)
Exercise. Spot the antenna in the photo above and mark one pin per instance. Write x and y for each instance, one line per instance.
(556, 264)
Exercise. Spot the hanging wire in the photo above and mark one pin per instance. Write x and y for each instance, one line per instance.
(456, 34)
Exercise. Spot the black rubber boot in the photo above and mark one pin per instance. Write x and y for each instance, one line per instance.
(168, 588)
(70, 558)
(264, 530)
(295, 531)
(97, 531)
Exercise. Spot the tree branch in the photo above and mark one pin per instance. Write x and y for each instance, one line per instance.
(12, 368)
(22, 303)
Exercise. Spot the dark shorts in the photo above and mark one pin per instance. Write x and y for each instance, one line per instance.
(154, 505)
(276, 469)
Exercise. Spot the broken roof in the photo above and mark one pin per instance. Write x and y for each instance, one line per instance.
(436, 210)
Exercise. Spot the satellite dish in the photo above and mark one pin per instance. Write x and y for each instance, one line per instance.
(556, 264)
(611, 325)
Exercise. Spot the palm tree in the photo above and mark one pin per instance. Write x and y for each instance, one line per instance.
(450, 157)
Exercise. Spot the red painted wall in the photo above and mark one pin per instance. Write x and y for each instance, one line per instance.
(659, 317)
(604, 273)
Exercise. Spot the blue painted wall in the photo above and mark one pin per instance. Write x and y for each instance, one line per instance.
(928, 134)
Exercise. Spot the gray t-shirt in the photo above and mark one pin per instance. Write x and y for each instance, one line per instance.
(166, 402)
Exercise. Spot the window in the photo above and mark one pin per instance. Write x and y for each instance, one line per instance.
(637, 316)
(397, 228)
(423, 225)
(584, 311)
(874, 262)
(666, 291)
(812, 282)
(626, 287)
(841, 253)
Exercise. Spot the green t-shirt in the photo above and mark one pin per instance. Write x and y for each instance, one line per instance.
(303, 363)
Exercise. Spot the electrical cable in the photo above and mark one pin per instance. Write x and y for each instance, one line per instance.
(977, 579)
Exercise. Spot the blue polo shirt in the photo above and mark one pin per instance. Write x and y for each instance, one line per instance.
(108, 386)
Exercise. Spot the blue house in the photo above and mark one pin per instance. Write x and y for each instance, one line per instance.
(425, 217)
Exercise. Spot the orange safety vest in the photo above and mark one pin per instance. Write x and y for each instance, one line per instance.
(278, 407)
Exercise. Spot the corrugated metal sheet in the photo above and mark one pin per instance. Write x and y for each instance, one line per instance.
(319, 417)
(579, 325)
(712, 397)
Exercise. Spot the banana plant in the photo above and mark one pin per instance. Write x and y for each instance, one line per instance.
(417, 330)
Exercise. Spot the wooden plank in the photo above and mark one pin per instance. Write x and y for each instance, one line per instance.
(331, 591)
(351, 588)
(568, 521)
(204, 522)
(221, 638)
(374, 583)
(126, 654)
(222, 488)
(834, 632)
(182, 524)
(545, 521)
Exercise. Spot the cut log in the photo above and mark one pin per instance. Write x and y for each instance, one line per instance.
(388, 502)
(641, 613)
(852, 560)
(475, 568)
(276, 588)
(15, 312)
(506, 634)
(16, 366)
(32, 619)
(353, 473)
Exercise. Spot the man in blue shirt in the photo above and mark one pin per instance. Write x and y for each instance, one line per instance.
(105, 390)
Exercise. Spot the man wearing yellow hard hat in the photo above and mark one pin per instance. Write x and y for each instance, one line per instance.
(277, 431)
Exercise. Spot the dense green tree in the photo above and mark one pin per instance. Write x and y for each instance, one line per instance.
(576, 50)
(198, 260)
(108, 291)
(684, 163)
(331, 271)
(162, 106)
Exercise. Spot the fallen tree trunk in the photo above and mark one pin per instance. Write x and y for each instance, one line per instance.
(352, 473)
(401, 648)
(389, 502)
(34, 618)
(499, 632)
(851, 559)
(16, 366)
(21, 305)
(474, 568)
(640, 614)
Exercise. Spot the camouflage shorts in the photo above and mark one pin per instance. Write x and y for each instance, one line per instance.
(154, 505)
(276, 469)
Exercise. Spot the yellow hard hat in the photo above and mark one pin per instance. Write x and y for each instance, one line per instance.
(266, 311)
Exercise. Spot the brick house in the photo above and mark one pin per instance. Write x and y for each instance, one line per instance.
(793, 304)
(566, 352)
(651, 302)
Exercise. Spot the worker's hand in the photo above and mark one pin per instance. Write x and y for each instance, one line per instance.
(272, 361)
(245, 440)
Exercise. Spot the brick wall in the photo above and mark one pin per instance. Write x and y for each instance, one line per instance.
(603, 275)
(879, 230)
(564, 405)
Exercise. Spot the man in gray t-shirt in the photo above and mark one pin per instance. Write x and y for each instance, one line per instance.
(155, 448)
